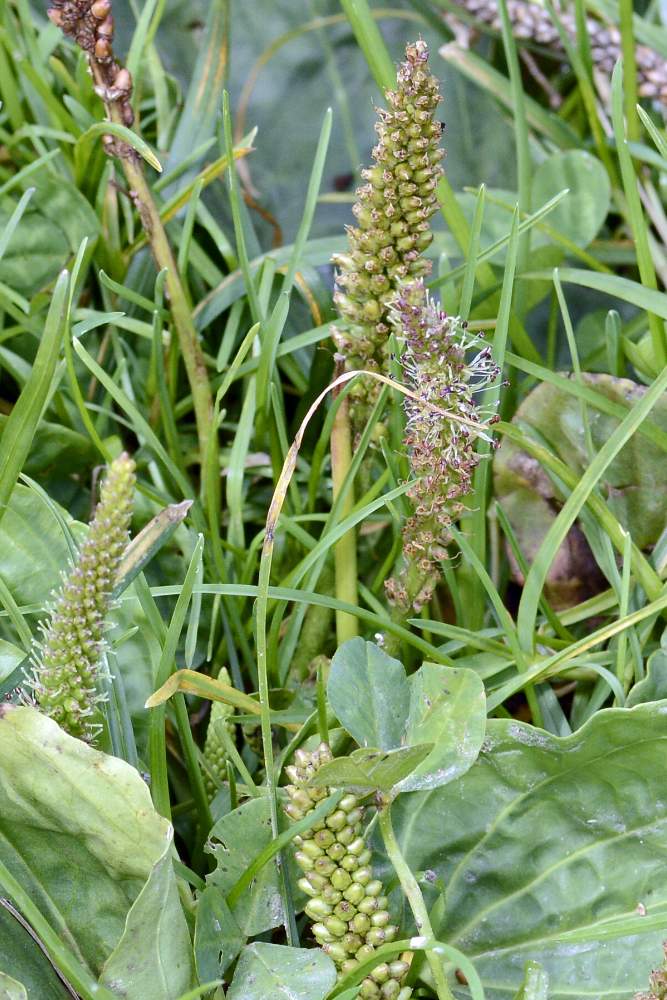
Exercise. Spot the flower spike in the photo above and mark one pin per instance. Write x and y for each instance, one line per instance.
(392, 213)
(64, 680)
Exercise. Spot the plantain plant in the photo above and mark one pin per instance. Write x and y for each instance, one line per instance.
(351, 681)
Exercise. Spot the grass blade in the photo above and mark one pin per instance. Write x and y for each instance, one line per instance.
(22, 422)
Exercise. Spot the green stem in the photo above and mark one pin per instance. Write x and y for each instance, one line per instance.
(188, 340)
(192, 763)
(371, 42)
(193, 356)
(630, 96)
(345, 550)
(263, 683)
(414, 580)
(413, 894)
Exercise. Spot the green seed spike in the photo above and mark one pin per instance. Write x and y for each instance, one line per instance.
(215, 753)
(64, 680)
(392, 213)
(347, 905)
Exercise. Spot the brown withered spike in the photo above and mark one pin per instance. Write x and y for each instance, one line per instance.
(91, 25)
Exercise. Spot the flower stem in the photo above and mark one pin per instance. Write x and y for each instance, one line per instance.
(413, 894)
(345, 550)
(188, 341)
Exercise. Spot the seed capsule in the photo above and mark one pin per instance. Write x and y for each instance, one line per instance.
(341, 879)
(365, 952)
(360, 923)
(323, 935)
(352, 942)
(337, 820)
(306, 887)
(390, 990)
(325, 866)
(398, 969)
(324, 839)
(105, 29)
(357, 847)
(337, 952)
(363, 875)
(101, 9)
(102, 50)
(317, 909)
(335, 926)
(381, 973)
(345, 911)
(312, 850)
(355, 893)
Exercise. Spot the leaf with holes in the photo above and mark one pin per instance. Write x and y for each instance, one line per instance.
(235, 841)
(273, 970)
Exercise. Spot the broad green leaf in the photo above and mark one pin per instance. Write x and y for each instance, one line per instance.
(26, 961)
(387, 768)
(369, 693)
(368, 768)
(633, 485)
(34, 549)
(57, 452)
(582, 214)
(10, 989)
(381, 708)
(447, 708)
(154, 956)
(547, 847)
(218, 938)
(653, 687)
(10, 657)
(77, 830)
(281, 973)
(535, 984)
(58, 218)
(342, 772)
(235, 841)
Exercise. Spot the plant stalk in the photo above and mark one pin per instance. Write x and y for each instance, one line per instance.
(345, 550)
(188, 341)
(413, 894)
